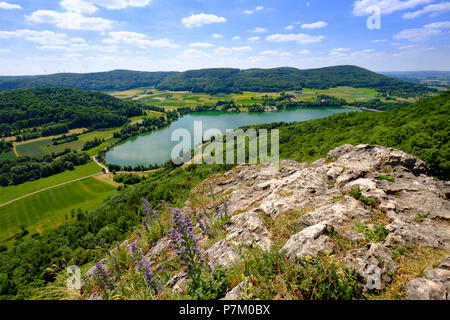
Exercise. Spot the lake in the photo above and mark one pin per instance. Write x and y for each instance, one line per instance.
(156, 147)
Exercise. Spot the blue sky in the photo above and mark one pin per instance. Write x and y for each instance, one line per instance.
(43, 36)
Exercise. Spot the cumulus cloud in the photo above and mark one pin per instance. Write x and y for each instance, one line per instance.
(70, 20)
(193, 54)
(9, 6)
(315, 25)
(197, 20)
(46, 37)
(71, 48)
(137, 39)
(363, 7)
(300, 38)
(339, 52)
(433, 9)
(216, 36)
(73, 18)
(230, 51)
(121, 4)
(259, 8)
(422, 34)
(203, 45)
(259, 30)
(276, 53)
(254, 39)
(78, 6)
(289, 28)
(304, 52)
(236, 38)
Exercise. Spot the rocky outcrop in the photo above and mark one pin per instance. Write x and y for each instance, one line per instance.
(246, 230)
(371, 198)
(435, 285)
(395, 191)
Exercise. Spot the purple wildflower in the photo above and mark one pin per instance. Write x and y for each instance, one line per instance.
(183, 239)
(136, 253)
(103, 278)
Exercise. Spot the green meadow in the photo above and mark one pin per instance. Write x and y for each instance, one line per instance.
(51, 208)
(13, 192)
(82, 139)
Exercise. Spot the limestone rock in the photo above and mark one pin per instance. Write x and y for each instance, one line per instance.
(374, 263)
(236, 292)
(434, 286)
(309, 242)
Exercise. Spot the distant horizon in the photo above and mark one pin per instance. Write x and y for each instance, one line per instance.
(119, 69)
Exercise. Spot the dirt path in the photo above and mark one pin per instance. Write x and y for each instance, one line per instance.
(61, 184)
(100, 164)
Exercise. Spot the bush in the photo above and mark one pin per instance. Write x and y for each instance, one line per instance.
(273, 276)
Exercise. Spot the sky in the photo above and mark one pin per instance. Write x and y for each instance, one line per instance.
(52, 36)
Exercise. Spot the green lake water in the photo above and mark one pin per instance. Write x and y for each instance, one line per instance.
(156, 147)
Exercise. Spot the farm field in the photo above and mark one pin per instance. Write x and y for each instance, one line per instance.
(32, 149)
(13, 192)
(51, 208)
(347, 93)
(39, 147)
(172, 100)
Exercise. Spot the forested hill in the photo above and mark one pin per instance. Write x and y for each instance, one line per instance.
(60, 109)
(223, 80)
(279, 79)
(100, 81)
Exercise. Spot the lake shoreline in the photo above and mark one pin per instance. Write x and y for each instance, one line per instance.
(142, 150)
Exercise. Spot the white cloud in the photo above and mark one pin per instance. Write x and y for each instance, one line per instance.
(423, 34)
(9, 6)
(42, 37)
(203, 45)
(276, 53)
(289, 28)
(339, 52)
(121, 4)
(362, 7)
(379, 40)
(193, 54)
(434, 9)
(363, 52)
(216, 36)
(5, 50)
(236, 38)
(78, 6)
(438, 25)
(300, 38)
(259, 30)
(259, 8)
(72, 48)
(197, 20)
(231, 51)
(315, 25)
(254, 39)
(70, 20)
(304, 52)
(137, 39)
